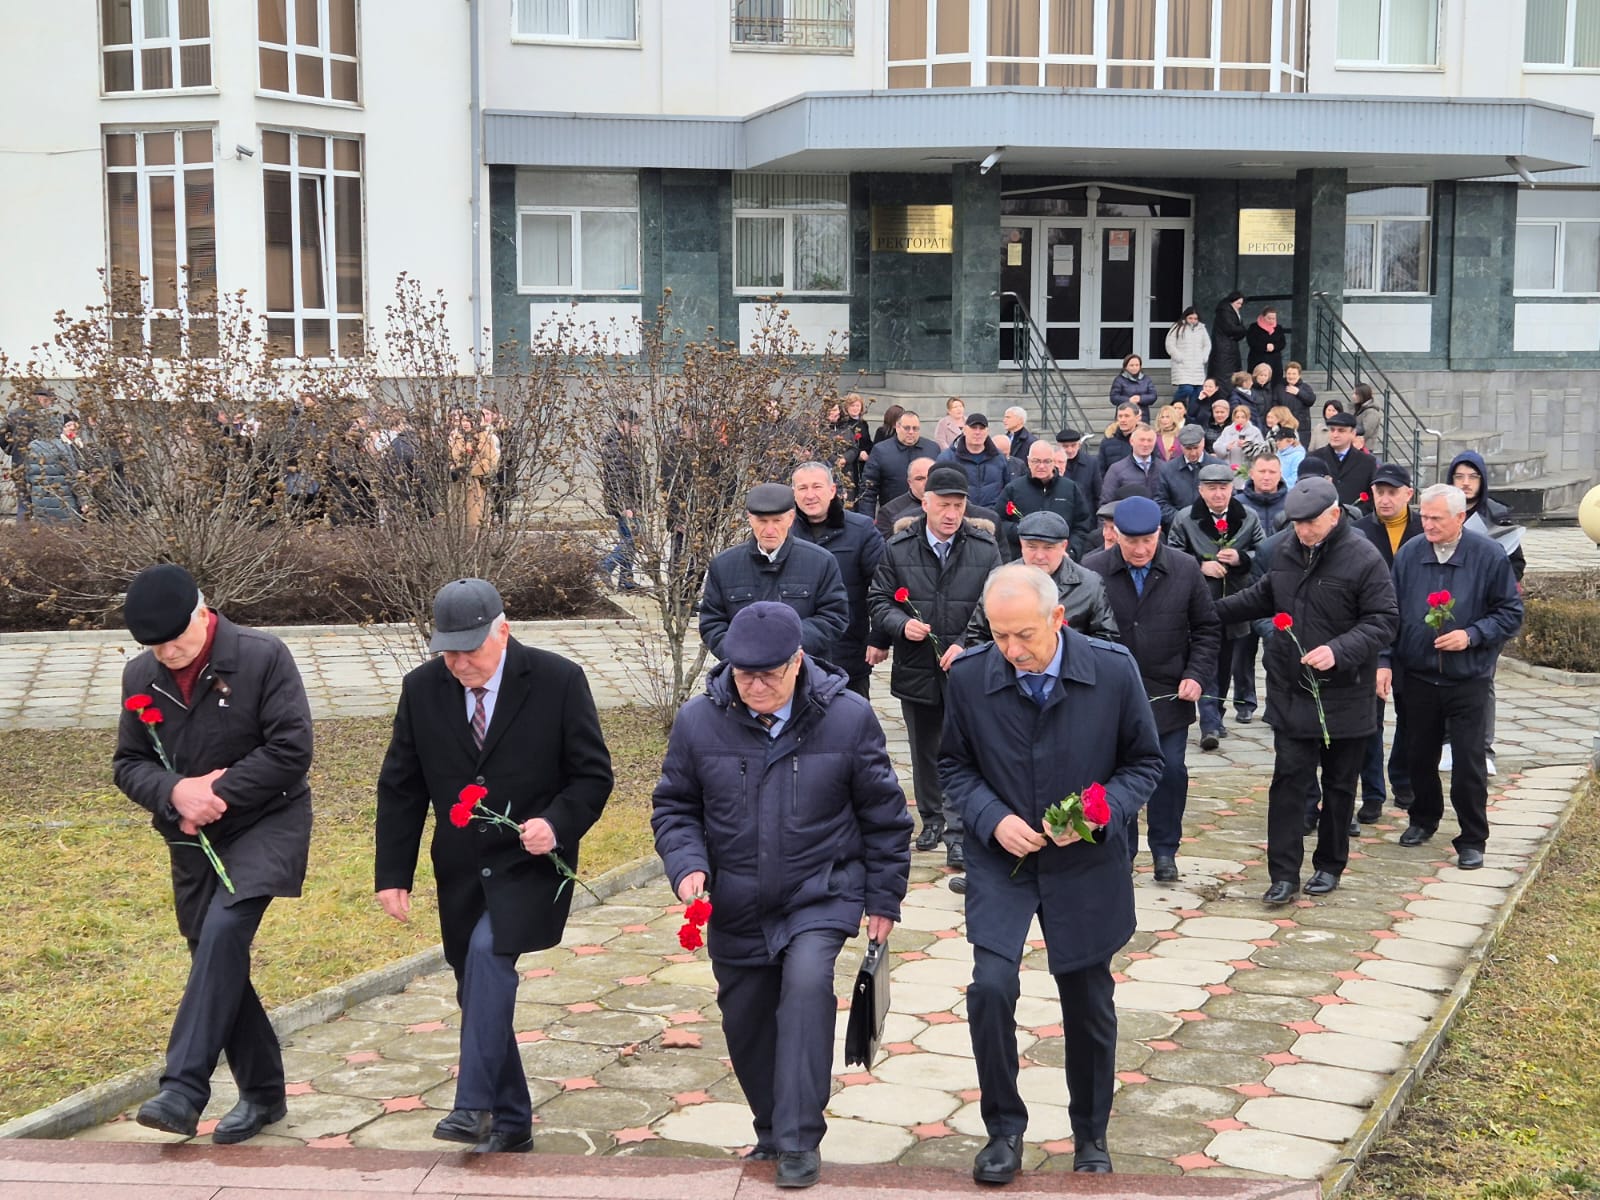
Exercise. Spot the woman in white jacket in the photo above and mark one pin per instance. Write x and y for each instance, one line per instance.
(1189, 348)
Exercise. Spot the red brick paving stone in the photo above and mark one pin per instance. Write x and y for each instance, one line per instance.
(1427, 879)
(1118, 977)
(629, 1137)
(1264, 943)
(298, 1088)
(843, 1003)
(936, 1130)
(1238, 964)
(1400, 914)
(1048, 1031)
(1225, 812)
(581, 1084)
(1063, 1146)
(426, 1027)
(120, 1191)
(855, 1078)
(939, 1018)
(1131, 1077)
(539, 973)
(531, 1035)
(913, 956)
(678, 958)
(363, 1056)
(339, 1141)
(1368, 955)
(948, 933)
(686, 1099)
(1193, 1015)
(1412, 896)
(968, 1095)
(1281, 1059)
(633, 980)
(1285, 922)
(1166, 935)
(1328, 999)
(1037, 943)
(1305, 903)
(1224, 1125)
(902, 1047)
(1138, 955)
(1193, 1162)
(687, 1017)
(1162, 1045)
(1220, 989)
(206, 1128)
(403, 1104)
(636, 929)
(1255, 1091)
(583, 1006)
(1304, 1027)
(607, 1178)
(1207, 828)
(1347, 976)
(1382, 933)
(589, 950)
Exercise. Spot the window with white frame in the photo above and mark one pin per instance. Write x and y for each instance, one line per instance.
(1558, 242)
(307, 48)
(791, 233)
(1562, 34)
(1390, 33)
(316, 291)
(803, 25)
(161, 240)
(576, 20)
(1387, 240)
(577, 231)
(155, 45)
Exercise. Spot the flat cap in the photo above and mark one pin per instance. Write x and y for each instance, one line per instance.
(769, 499)
(1044, 527)
(1068, 435)
(1215, 473)
(1341, 420)
(463, 612)
(1310, 498)
(1392, 473)
(947, 481)
(1137, 516)
(761, 636)
(979, 419)
(1191, 435)
(159, 603)
(1311, 465)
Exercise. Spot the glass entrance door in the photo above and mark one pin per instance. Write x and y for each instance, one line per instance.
(1042, 263)
(1144, 269)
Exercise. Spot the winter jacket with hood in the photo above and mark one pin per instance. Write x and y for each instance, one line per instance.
(1485, 515)
(1189, 348)
(987, 471)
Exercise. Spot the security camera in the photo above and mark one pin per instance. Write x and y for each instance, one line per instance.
(244, 151)
(988, 164)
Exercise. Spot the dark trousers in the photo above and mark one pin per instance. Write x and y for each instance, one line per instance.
(1371, 774)
(778, 1022)
(1167, 801)
(1429, 708)
(925, 730)
(1088, 1021)
(861, 685)
(1244, 673)
(491, 1076)
(1295, 760)
(1211, 709)
(221, 1013)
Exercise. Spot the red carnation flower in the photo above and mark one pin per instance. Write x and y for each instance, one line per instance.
(1095, 809)
(1283, 621)
(137, 701)
(1239, 428)
(699, 910)
(472, 793)
(1011, 509)
(151, 716)
(689, 937)
(1363, 498)
(901, 595)
(461, 814)
(1222, 524)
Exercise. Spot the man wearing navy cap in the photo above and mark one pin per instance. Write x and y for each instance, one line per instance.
(778, 803)
(772, 565)
(235, 745)
(1170, 625)
(520, 723)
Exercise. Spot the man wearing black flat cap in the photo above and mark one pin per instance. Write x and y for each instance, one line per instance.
(1083, 469)
(234, 730)
(772, 565)
(520, 724)
(1043, 538)
(1350, 469)
(777, 802)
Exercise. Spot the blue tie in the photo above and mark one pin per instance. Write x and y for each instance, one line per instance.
(1137, 574)
(1036, 685)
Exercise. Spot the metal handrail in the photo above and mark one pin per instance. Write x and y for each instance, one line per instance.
(1335, 347)
(1041, 377)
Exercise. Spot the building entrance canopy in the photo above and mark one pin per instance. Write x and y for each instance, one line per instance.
(1099, 132)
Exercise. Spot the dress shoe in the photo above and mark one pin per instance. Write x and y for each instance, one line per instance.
(1415, 835)
(958, 884)
(1281, 892)
(1209, 739)
(761, 1153)
(955, 855)
(1469, 860)
(169, 1112)
(469, 1125)
(932, 833)
(507, 1141)
(798, 1168)
(1321, 883)
(1090, 1157)
(999, 1160)
(1244, 718)
(1166, 868)
(1370, 811)
(246, 1119)
(1355, 828)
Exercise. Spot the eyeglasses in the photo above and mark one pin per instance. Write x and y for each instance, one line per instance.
(765, 678)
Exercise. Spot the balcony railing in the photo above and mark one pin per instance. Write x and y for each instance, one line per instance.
(804, 25)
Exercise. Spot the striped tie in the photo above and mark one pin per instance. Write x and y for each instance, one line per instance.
(768, 720)
(480, 717)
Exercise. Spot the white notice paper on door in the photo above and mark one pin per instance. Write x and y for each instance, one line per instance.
(1061, 260)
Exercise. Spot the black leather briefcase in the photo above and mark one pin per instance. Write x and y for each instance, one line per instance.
(869, 1005)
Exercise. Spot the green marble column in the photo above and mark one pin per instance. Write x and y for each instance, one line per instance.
(975, 270)
(1319, 217)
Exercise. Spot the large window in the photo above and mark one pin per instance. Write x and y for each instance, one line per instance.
(807, 25)
(161, 223)
(308, 48)
(1558, 242)
(1390, 33)
(1200, 45)
(577, 232)
(576, 20)
(316, 293)
(155, 45)
(791, 233)
(1562, 34)
(1386, 240)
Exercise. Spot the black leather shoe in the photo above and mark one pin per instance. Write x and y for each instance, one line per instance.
(999, 1160)
(1090, 1157)
(1355, 828)
(955, 855)
(1469, 860)
(507, 1141)
(958, 884)
(931, 835)
(1281, 892)
(169, 1112)
(246, 1119)
(1321, 883)
(1209, 739)
(1370, 811)
(798, 1168)
(1244, 718)
(760, 1153)
(469, 1125)
(1415, 835)
(1166, 868)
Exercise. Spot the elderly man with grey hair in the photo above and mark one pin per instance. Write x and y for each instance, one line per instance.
(1015, 420)
(1459, 604)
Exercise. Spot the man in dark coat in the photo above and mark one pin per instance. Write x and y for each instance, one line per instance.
(1178, 480)
(1082, 593)
(1264, 495)
(857, 549)
(1170, 626)
(1446, 666)
(25, 422)
(1139, 467)
(884, 477)
(778, 803)
(1322, 669)
(1265, 339)
(1046, 490)
(520, 723)
(621, 489)
(1350, 469)
(1114, 446)
(1083, 469)
(1227, 327)
(56, 485)
(772, 565)
(215, 741)
(938, 563)
(909, 503)
(1035, 716)
(987, 469)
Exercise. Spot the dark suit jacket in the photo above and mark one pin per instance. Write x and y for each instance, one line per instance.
(543, 756)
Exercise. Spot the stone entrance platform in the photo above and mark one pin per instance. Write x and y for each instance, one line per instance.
(40, 1170)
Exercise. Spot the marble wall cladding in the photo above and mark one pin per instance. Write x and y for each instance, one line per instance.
(1216, 244)
(860, 273)
(1262, 275)
(1319, 221)
(697, 252)
(1481, 267)
(975, 325)
(911, 295)
(508, 312)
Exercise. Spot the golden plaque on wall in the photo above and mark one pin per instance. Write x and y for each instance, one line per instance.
(1266, 231)
(913, 228)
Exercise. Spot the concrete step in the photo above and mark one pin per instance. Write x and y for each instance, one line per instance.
(1534, 498)
(944, 384)
(1487, 442)
(1510, 467)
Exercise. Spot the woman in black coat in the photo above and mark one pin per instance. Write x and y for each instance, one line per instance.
(1227, 327)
